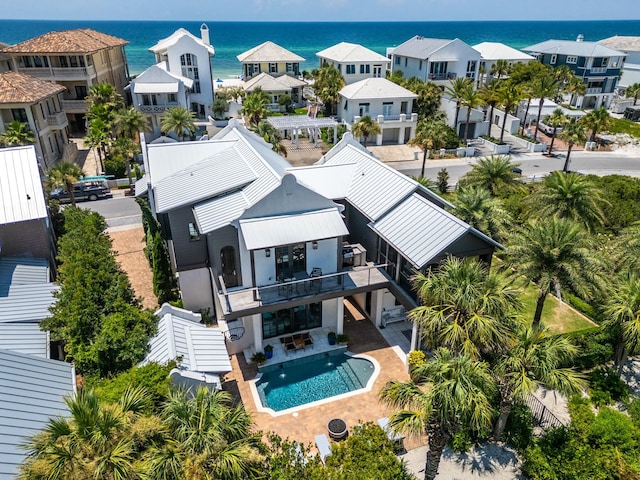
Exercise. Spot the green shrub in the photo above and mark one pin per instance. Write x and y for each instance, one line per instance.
(519, 429)
(580, 305)
(415, 359)
(604, 380)
(595, 347)
(115, 165)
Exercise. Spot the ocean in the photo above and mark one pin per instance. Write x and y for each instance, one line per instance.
(306, 38)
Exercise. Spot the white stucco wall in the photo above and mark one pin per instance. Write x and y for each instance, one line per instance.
(375, 107)
(356, 77)
(330, 309)
(195, 286)
(325, 257)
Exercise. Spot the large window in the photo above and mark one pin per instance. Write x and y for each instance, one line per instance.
(471, 69)
(351, 69)
(290, 259)
(19, 114)
(290, 320)
(365, 68)
(572, 59)
(189, 63)
(273, 68)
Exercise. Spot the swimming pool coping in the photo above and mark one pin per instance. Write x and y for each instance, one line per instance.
(262, 409)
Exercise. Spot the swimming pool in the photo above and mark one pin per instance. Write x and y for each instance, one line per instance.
(311, 379)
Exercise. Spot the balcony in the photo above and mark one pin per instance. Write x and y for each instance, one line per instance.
(443, 76)
(597, 70)
(594, 90)
(249, 301)
(156, 109)
(402, 118)
(58, 72)
(57, 120)
(74, 106)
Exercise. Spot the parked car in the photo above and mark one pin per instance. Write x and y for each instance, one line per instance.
(542, 127)
(82, 191)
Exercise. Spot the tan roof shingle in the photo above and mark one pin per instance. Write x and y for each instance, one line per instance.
(17, 87)
(83, 40)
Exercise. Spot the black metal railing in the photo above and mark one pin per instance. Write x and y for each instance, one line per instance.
(542, 416)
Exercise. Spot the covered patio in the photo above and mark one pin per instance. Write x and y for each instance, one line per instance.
(293, 125)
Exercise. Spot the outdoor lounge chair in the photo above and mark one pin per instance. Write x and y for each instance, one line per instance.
(323, 445)
(394, 437)
(308, 339)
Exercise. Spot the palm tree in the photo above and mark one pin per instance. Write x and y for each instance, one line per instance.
(597, 120)
(104, 101)
(576, 88)
(365, 127)
(570, 196)
(556, 119)
(128, 148)
(509, 95)
(494, 173)
(553, 253)
(209, 438)
(573, 133)
(500, 68)
(97, 138)
(490, 95)
(534, 358)
(97, 441)
(178, 120)
(633, 90)
(430, 135)
(426, 183)
(470, 99)
(254, 106)
(447, 393)
(130, 122)
(479, 209)
(327, 85)
(563, 75)
(623, 312)
(64, 175)
(482, 70)
(465, 307)
(17, 133)
(456, 90)
(429, 96)
(542, 87)
(271, 135)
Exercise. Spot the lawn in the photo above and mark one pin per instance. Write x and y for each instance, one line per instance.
(622, 125)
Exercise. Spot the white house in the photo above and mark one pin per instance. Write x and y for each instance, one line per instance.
(436, 60)
(386, 102)
(477, 124)
(270, 58)
(491, 52)
(354, 62)
(185, 55)
(275, 87)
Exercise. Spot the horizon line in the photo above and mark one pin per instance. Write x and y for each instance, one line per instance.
(315, 21)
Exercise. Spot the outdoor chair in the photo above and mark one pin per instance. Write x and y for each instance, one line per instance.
(394, 437)
(323, 445)
(316, 280)
(308, 339)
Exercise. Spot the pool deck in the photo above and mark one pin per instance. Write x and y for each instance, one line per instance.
(305, 424)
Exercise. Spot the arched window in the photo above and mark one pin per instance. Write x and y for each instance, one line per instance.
(189, 63)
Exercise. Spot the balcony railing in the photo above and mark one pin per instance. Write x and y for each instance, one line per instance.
(58, 119)
(597, 70)
(402, 118)
(69, 72)
(443, 76)
(249, 301)
(594, 90)
(156, 108)
(74, 105)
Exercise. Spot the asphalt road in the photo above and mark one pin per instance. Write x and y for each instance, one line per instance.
(117, 210)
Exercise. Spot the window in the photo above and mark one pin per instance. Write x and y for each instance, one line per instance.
(189, 63)
(365, 68)
(19, 114)
(81, 92)
(386, 108)
(351, 69)
(64, 62)
(572, 59)
(73, 61)
(406, 61)
(39, 61)
(290, 259)
(605, 62)
(397, 60)
(173, 98)
(290, 320)
(291, 68)
(339, 67)
(26, 61)
(471, 69)
(403, 107)
(364, 109)
(554, 57)
(273, 68)
(42, 111)
(193, 232)
(420, 65)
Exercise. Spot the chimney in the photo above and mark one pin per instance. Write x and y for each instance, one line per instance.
(580, 38)
(204, 34)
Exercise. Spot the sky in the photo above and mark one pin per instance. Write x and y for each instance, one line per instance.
(321, 10)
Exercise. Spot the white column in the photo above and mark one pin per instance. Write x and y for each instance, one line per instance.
(376, 307)
(257, 332)
(414, 337)
(401, 135)
(340, 314)
(379, 138)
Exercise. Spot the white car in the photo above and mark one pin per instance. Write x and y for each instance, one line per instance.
(547, 129)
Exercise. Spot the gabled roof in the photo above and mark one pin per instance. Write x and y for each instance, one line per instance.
(16, 87)
(500, 51)
(422, 47)
(83, 40)
(181, 335)
(172, 39)
(351, 52)
(21, 194)
(331, 181)
(269, 52)
(622, 43)
(375, 88)
(33, 391)
(26, 303)
(24, 271)
(273, 84)
(156, 79)
(568, 47)
(25, 338)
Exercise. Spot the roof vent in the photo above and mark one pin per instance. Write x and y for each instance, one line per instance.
(580, 38)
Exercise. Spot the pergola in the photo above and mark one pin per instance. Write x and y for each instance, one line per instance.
(297, 123)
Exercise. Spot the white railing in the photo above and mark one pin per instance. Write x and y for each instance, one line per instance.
(402, 118)
(597, 70)
(57, 119)
(443, 76)
(155, 108)
(69, 105)
(75, 72)
(594, 90)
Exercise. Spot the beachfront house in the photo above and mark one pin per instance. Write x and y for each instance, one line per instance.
(276, 88)
(75, 59)
(598, 66)
(270, 58)
(274, 250)
(435, 60)
(38, 103)
(354, 62)
(491, 53)
(389, 104)
(631, 48)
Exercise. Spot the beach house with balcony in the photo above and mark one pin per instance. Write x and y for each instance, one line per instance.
(435, 60)
(75, 59)
(273, 250)
(354, 62)
(270, 58)
(598, 66)
(389, 104)
(38, 103)
(275, 88)
(491, 53)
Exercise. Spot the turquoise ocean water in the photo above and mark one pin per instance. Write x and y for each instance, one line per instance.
(231, 38)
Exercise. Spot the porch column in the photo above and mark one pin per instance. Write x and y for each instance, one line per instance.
(340, 322)
(335, 135)
(257, 332)
(401, 135)
(414, 337)
(376, 307)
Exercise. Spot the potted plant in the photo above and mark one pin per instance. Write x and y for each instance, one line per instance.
(332, 338)
(343, 339)
(259, 358)
(268, 351)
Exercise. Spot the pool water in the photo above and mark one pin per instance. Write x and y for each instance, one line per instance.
(317, 377)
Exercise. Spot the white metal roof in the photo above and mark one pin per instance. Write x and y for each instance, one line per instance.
(375, 88)
(351, 52)
(287, 122)
(420, 47)
(220, 212)
(25, 338)
(32, 391)
(266, 82)
(421, 231)
(500, 51)
(331, 181)
(23, 270)
(287, 229)
(568, 47)
(172, 39)
(180, 334)
(26, 303)
(21, 194)
(269, 52)
(166, 87)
